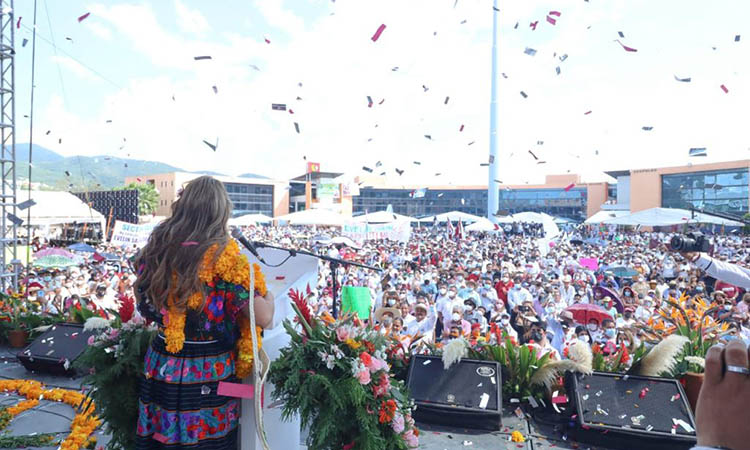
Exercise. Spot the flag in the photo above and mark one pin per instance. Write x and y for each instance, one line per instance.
(460, 230)
(313, 167)
(450, 229)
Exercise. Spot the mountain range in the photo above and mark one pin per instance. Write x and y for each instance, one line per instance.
(87, 172)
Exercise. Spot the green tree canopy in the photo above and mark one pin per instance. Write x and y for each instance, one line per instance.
(148, 198)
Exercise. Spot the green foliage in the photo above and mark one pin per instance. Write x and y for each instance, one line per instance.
(520, 363)
(148, 197)
(331, 402)
(38, 440)
(746, 228)
(116, 365)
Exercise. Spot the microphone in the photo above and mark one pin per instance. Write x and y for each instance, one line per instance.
(237, 234)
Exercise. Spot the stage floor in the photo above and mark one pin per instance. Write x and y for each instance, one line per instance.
(52, 417)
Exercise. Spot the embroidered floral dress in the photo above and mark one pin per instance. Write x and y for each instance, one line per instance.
(179, 406)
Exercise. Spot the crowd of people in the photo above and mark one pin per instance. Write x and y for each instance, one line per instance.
(435, 287)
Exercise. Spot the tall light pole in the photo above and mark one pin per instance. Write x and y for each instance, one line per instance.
(493, 194)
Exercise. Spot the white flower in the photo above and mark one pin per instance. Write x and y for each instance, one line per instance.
(454, 350)
(328, 359)
(337, 351)
(697, 360)
(95, 323)
(357, 366)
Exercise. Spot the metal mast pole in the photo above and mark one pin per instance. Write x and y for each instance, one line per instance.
(493, 194)
(9, 238)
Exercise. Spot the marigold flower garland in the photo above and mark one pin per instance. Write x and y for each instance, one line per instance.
(84, 423)
(231, 266)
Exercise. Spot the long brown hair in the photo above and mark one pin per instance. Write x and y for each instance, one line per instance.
(176, 246)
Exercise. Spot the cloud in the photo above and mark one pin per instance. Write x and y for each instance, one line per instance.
(99, 30)
(190, 20)
(339, 66)
(75, 67)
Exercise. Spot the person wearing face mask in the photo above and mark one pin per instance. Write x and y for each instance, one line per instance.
(593, 329)
(567, 291)
(627, 296)
(503, 286)
(422, 325)
(456, 320)
(627, 320)
(608, 339)
(385, 316)
(518, 295)
(645, 310)
(506, 327)
(743, 308)
(487, 296)
(537, 335)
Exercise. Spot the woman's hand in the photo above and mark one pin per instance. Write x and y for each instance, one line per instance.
(264, 308)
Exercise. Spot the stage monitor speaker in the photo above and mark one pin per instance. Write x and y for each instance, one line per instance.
(626, 412)
(56, 349)
(467, 395)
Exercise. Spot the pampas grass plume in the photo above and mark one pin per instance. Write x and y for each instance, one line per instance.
(581, 353)
(547, 374)
(453, 351)
(661, 358)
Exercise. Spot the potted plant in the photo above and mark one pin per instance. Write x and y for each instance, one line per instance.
(692, 319)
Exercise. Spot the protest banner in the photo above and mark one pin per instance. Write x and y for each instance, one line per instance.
(589, 263)
(356, 299)
(129, 234)
(360, 232)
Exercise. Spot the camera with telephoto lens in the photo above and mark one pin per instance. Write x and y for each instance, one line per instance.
(690, 242)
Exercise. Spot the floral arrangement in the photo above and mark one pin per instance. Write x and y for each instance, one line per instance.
(16, 314)
(114, 361)
(693, 319)
(617, 361)
(527, 371)
(81, 428)
(230, 266)
(335, 375)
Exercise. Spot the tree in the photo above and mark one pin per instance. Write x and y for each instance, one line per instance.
(148, 198)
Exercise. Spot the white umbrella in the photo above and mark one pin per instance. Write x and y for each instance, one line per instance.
(249, 219)
(550, 227)
(313, 217)
(382, 217)
(603, 215)
(483, 225)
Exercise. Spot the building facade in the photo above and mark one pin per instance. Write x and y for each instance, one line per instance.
(248, 195)
(721, 187)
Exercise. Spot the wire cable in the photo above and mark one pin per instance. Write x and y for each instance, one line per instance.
(31, 139)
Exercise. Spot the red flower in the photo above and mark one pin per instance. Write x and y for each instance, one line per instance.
(348, 446)
(369, 346)
(127, 307)
(219, 368)
(387, 411)
(301, 303)
(366, 359)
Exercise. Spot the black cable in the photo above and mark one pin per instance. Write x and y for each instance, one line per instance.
(31, 139)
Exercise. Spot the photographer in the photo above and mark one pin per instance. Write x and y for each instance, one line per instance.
(730, 273)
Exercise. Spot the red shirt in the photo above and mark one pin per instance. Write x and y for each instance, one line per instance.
(502, 290)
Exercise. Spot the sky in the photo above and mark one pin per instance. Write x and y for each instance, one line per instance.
(127, 61)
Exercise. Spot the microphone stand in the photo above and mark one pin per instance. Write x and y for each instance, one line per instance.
(335, 263)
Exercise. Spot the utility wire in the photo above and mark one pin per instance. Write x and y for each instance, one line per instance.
(54, 48)
(31, 140)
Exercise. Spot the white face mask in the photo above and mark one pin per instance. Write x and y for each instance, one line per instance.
(456, 317)
(505, 280)
(443, 291)
(505, 321)
(451, 294)
(583, 338)
(592, 327)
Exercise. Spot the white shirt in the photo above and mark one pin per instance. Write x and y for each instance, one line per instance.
(726, 272)
(518, 295)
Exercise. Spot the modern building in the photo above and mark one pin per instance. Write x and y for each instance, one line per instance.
(248, 195)
(720, 187)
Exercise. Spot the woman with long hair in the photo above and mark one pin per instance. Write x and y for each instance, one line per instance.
(195, 285)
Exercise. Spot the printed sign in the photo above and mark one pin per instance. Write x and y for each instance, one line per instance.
(360, 232)
(128, 234)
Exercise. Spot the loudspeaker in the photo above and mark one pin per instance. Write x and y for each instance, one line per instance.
(466, 395)
(56, 349)
(625, 412)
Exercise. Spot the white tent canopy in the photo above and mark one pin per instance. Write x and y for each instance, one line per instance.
(483, 225)
(548, 222)
(55, 207)
(249, 219)
(659, 217)
(453, 216)
(603, 215)
(382, 217)
(313, 217)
